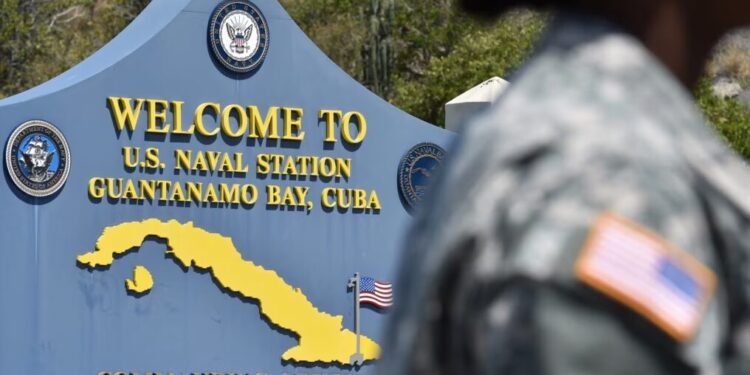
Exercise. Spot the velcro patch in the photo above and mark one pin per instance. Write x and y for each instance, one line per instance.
(639, 269)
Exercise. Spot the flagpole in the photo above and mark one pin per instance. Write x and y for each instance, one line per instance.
(357, 359)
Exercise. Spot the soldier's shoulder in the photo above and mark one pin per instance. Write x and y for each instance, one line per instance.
(572, 124)
(604, 91)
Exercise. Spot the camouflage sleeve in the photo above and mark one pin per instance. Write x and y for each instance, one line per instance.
(523, 266)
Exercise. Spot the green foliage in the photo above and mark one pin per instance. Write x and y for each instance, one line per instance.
(478, 56)
(336, 26)
(728, 116)
(40, 39)
(425, 30)
(417, 54)
(377, 51)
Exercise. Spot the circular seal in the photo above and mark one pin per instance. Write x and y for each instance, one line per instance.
(38, 158)
(416, 170)
(238, 34)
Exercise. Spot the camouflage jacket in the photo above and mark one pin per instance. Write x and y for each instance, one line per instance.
(508, 269)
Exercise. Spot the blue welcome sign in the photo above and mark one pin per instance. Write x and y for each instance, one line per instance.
(206, 194)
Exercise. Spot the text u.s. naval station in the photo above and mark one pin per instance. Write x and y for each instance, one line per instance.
(233, 122)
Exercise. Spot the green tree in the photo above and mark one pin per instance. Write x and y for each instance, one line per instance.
(417, 54)
(377, 51)
(40, 39)
(484, 52)
(338, 27)
(728, 116)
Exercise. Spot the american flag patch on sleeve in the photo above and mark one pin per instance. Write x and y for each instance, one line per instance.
(637, 268)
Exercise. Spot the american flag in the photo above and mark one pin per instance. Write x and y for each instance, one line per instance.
(377, 293)
(665, 285)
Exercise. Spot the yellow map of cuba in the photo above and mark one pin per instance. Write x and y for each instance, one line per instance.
(322, 338)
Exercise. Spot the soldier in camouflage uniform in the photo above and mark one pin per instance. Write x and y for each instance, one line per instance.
(590, 223)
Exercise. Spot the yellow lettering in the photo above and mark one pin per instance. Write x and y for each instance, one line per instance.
(229, 195)
(148, 189)
(163, 189)
(177, 115)
(277, 163)
(249, 194)
(182, 159)
(341, 199)
(96, 190)
(157, 110)
(200, 163)
(374, 202)
(324, 197)
(124, 113)
(127, 156)
(198, 120)
(290, 168)
(111, 188)
(314, 164)
(330, 118)
(289, 197)
(211, 194)
(130, 192)
(226, 125)
(178, 195)
(152, 157)
(213, 159)
(343, 167)
(261, 128)
(293, 124)
(240, 166)
(303, 161)
(301, 193)
(360, 201)
(194, 191)
(327, 167)
(262, 161)
(274, 195)
(361, 128)
(226, 164)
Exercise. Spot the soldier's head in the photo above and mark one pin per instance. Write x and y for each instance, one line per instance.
(681, 33)
(711, 14)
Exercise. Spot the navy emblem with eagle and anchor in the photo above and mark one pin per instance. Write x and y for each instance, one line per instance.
(38, 158)
(416, 171)
(238, 34)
